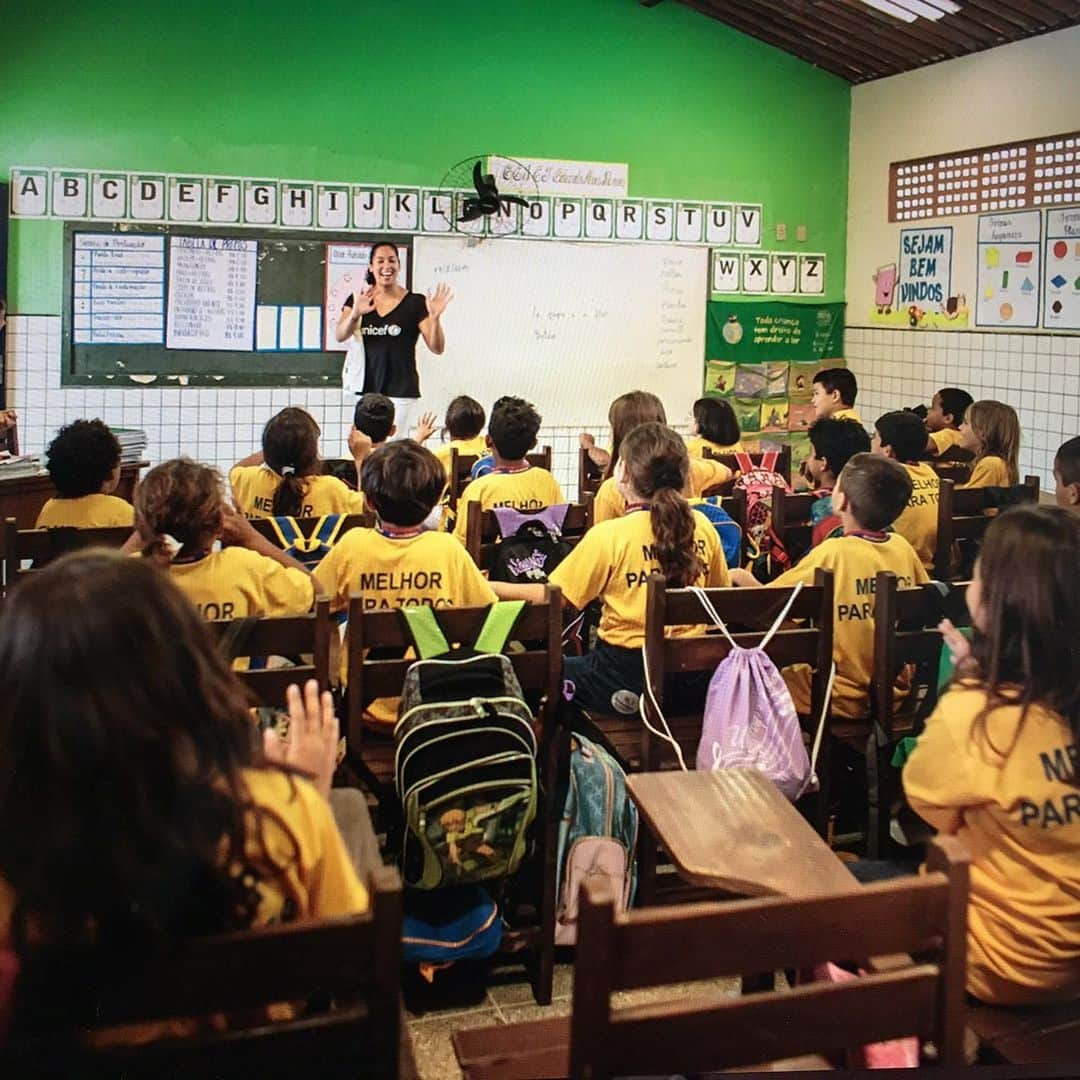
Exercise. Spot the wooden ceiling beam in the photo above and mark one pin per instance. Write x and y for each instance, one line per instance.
(1068, 11)
(846, 28)
(875, 26)
(950, 38)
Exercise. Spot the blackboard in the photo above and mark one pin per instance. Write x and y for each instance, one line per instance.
(291, 270)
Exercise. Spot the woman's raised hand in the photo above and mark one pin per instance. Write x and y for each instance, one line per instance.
(438, 300)
(364, 302)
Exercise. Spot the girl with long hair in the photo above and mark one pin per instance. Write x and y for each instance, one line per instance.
(999, 766)
(657, 533)
(991, 431)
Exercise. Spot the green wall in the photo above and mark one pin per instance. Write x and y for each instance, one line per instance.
(398, 91)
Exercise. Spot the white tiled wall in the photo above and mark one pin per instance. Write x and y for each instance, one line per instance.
(1038, 374)
(217, 426)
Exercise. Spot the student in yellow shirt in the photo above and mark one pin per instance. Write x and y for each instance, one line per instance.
(998, 764)
(513, 482)
(869, 495)
(713, 428)
(399, 562)
(181, 513)
(833, 443)
(658, 533)
(991, 431)
(174, 820)
(1067, 475)
(464, 424)
(899, 435)
(943, 419)
(625, 414)
(833, 394)
(285, 478)
(84, 466)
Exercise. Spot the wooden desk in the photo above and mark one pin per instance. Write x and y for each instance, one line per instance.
(733, 830)
(23, 497)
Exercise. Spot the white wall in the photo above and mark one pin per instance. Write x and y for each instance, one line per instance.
(1019, 91)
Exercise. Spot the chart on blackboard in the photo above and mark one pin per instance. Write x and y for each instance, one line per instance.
(211, 293)
(118, 286)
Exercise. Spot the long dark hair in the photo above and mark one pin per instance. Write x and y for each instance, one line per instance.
(657, 467)
(181, 499)
(1026, 652)
(123, 736)
(626, 412)
(290, 444)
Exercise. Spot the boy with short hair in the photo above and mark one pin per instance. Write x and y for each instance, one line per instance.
(374, 417)
(84, 464)
(869, 495)
(399, 562)
(1067, 475)
(833, 443)
(943, 419)
(512, 431)
(900, 435)
(834, 393)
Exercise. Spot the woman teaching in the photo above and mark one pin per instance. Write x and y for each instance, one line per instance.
(387, 319)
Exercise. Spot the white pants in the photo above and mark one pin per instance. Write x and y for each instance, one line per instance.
(407, 412)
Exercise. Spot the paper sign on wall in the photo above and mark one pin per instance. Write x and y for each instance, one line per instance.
(925, 270)
(1009, 257)
(1061, 275)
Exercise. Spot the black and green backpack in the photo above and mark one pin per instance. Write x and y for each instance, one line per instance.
(465, 764)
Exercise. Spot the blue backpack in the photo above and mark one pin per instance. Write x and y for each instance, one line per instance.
(309, 550)
(450, 924)
(728, 530)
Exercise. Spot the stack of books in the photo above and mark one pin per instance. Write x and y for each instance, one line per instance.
(132, 444)
(12, 466)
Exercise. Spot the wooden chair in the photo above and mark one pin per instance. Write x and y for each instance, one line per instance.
(783, 460)
(305, 639)
(461, 466)
(347, 971)
(590, 475)
(306, 526)
(40, 546)
(959, 472)
(905, 638)
(695, 1033)
(1026, 1035)
(482, 529)
(791, 521)
(963, 517)
(377, 641)
(343, 468)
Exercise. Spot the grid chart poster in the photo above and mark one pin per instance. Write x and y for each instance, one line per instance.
(118, 286)
(211, 293)
(1061, 270)
(1009, 260)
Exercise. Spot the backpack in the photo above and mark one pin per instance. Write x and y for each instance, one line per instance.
(453, 924)
(531, 547)
(728, 530)
(597, 834)
(465, 763)
(309, 550)
(758, 482)
(750, 720)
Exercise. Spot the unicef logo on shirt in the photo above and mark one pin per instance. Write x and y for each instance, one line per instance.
(393, 330)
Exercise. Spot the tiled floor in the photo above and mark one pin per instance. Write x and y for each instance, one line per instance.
(480, 998)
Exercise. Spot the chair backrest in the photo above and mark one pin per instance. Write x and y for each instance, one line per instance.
(351, 962)
(482, 528)
(783, 460)
(791, 520)
(366, 520)
(461, 466)
(41, 546)
(748, 614)
(958, 471)
(905, 633)
(965, 513)
(303, 639)
(381, 672)
(343, 468)
(590, 475)
(663, 945)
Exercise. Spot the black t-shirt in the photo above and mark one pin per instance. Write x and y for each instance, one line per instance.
(390, 347)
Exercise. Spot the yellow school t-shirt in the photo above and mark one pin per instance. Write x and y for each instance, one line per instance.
(253, 488)
(847, 413)
(854, 561)
(917, 522)
(465, 447)
(613, 562)
(429, 568)
(697, 446)
(527, 489)
(234, 583)
(945, 439)
(1011, 797)
(608, 502)
(989, 472)
(86, 512)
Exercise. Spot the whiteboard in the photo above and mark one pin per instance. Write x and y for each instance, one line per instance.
(569, 326)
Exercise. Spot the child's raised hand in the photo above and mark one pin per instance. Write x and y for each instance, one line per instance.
(426, 427)
(586, 441)
(957, 643)
(313, 735)
(236, 530)
(360, 445)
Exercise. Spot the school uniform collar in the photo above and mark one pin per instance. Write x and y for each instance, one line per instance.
(875, 537)
(397, 532)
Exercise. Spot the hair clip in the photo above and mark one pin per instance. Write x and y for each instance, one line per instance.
(288, 470)
(172, 545)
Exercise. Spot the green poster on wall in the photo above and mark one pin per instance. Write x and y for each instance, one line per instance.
(773, 331)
